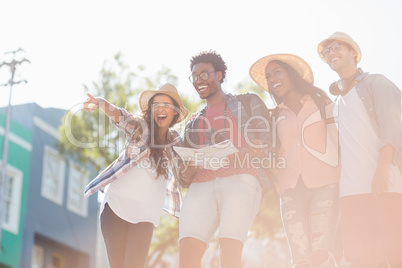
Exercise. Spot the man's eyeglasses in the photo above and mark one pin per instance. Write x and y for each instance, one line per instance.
(204, 76)
(335, 47)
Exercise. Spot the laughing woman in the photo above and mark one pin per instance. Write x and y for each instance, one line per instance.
(139, 179)
(308, 143)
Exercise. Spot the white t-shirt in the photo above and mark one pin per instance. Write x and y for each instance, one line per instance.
(359, 148)
(137, 196)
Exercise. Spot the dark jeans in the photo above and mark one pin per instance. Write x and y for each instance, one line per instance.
(310, 217)
(127, 244)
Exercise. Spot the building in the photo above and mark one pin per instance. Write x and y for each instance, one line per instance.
(47, 222)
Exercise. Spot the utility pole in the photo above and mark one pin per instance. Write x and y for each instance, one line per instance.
(3, 179)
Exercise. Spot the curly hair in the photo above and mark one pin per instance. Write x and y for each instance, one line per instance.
(210, 57)
(158, 158)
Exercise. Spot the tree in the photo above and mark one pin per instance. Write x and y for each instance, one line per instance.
(249, 86)
(90, 137)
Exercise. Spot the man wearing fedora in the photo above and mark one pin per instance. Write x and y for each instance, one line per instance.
(228, 198)
(370, 134)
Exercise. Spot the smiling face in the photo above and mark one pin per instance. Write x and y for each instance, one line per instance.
(278, 79)
(340, 56)
(206, 88)
(163, 111)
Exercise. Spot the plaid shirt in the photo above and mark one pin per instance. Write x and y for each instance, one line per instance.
(135, 151)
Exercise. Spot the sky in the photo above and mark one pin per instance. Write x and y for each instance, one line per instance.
(67, 42)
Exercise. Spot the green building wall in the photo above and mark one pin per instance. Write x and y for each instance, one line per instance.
(20, 158)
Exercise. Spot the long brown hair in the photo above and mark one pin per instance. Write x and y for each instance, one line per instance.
(157, 156)
(318, 95)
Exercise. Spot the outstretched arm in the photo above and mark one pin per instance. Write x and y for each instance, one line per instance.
(112, 111)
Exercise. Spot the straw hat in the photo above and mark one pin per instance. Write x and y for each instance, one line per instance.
(340, 36)
(257, 70)
(167, 89)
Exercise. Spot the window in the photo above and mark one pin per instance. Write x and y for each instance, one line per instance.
(53, 176)
(77, 180)
(57, 261)
(12, 199)
(37, 257)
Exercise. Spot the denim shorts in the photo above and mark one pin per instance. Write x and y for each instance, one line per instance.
(228, 204)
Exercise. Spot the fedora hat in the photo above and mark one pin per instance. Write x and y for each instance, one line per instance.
(257, 70)
(167, 89)
(345, 38)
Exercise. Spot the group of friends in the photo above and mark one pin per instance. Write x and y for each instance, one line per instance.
(342, 164)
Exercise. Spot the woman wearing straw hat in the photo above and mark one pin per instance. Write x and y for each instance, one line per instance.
(139, 179)
(309, 183)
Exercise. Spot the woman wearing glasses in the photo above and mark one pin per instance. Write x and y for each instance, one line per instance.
(308, 143)
(140, 178)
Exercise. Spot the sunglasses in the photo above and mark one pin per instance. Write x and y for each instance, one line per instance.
(162, 105)
(334, 47)
(204, 76)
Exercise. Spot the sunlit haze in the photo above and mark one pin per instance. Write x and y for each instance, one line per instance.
(67, 42)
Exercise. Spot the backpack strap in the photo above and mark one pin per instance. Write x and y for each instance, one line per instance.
(245, 100)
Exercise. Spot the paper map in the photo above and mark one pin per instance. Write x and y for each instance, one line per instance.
(209, 157)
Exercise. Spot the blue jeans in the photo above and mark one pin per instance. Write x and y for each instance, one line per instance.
(310, 218)
(127, 244)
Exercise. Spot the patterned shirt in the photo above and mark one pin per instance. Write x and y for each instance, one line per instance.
(135, 151)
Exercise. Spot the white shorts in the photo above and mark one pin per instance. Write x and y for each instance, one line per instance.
(228, 204)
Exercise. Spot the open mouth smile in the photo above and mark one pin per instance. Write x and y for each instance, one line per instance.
(277, 85)
(202, 88)
(161, 117)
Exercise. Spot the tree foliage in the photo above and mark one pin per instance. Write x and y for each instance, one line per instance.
(249, 86)
(91, 138)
